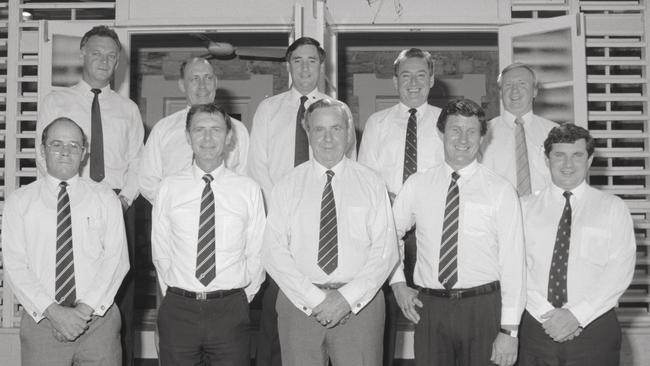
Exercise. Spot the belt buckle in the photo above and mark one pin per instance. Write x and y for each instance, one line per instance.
(201, 296)
(455, 295)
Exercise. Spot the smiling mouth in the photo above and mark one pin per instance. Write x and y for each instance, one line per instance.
(462, 148)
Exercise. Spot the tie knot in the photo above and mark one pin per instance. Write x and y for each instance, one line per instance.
(413, 111)
(96, 91)
(330, 174)
(63, 184)
(455, 176)
(567, 195)
(303, 99)
(519, 122)
(208, 178)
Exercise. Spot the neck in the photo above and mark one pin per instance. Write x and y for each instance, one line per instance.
(210, 165)
(96, 84)
(303, 91)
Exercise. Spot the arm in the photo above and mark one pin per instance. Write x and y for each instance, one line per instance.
(407, 298)
(258, 159)
(254, 238)
(617, 274)
(278, 260)
(238, 157)
(368, 147)
(132, 155)
(114, 263)
(382, 258)
(161, 250)
(17, 264)
(151, 171)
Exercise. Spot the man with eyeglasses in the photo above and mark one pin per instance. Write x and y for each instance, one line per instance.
(65, 255)
(116, 133)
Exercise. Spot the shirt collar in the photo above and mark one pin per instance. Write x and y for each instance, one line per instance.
(53, 183)
(86, 88)
(311, 96)
(465, 172)
(320, 170)
(404, 110)
(199, 173)
(510, 118)
(576, 193)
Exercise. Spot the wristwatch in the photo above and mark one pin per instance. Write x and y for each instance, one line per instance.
(512, 333)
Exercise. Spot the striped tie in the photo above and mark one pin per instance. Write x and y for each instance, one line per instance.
(447, 267)
(328, 253)
(205, 257)
(557, 291)
(64, 283)
(411, 146)
(521, 154)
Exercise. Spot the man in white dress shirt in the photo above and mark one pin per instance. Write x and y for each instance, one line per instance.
(513, 145)
(397, 142)
(580, 249)
(65, 255)
(470, 273)
(114, 127)
(278, 144)
(208, 225)
(167, 151)
(330, 244)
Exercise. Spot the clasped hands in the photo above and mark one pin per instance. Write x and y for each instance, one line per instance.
(561, 325)
(68, 322)
(332, 311)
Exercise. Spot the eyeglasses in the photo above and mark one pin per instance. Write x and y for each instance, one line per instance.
(58, 147)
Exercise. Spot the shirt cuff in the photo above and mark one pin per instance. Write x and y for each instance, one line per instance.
(397, 276)
(583, 311)
(313, 297)
(353, 295)
(510, 315)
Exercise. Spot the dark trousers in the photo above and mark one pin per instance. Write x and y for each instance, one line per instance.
(599, 344)
(125, 297)
(204, 332)
(393, 312)
(268, 340)
(457, 332)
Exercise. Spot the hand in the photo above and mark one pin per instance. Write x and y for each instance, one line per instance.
(331, 310)
(571, 336)
(85, 311)
(70, 322)
(504, 350)
(124, 202)
(58, 336)
(560, 324)
(407, 299)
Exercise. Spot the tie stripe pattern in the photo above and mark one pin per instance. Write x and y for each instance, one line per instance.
(328, 254)
(557, 290)
(96, 140)
(64, 283)
(302, 144)
(411, 146)
(205, 255)
(447, 265)
(521, 156)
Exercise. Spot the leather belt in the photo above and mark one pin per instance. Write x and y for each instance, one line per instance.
(463, 293)
(330, 286)
(203, 295)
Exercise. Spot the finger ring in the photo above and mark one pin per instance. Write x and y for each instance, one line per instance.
(327, 321)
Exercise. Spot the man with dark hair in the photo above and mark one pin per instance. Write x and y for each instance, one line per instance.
(208, 225)
(116, 133)
(397, 142)
(278, 144)
(513, 145)
(65, 255)
(167, 151)
(470, 269)
(330, 244)
(581, 250)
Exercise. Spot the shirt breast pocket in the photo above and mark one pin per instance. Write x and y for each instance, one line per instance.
(476, 219)
(356, 218)
(230, 229)
(93, 245)
(594, 245)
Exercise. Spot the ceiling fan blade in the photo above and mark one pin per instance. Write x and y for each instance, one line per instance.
(273, 53)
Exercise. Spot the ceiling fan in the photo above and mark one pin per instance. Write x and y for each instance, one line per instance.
(224, 50)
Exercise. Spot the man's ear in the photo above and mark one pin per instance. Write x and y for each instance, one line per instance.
(395, 83)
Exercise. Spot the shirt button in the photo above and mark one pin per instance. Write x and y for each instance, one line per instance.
(304, 308)
(34, 314)
(103, 307)
(358, 305)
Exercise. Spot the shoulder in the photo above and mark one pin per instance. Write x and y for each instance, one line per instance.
(433, 109)
(238, 126)
(25, 192)
(170, 122)
(494, 180)
(609, 202)
(547, 123)
(380, 116)
(240, 181)
(273, 100)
